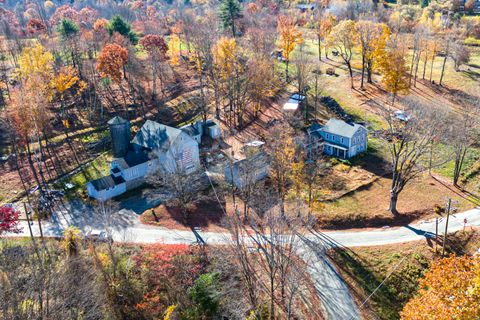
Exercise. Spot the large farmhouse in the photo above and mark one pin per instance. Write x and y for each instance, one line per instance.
(337, 138)
(155, 146)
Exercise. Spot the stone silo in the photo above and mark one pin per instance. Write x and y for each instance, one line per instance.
(120, 133)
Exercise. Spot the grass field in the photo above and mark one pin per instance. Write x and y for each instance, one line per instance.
(97, 168)
(365, 268)
(368, 206)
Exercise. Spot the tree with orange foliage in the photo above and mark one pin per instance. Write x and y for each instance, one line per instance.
(324, 26)
(449, 290)
(111, 64)
(392, 63)
(290, 37)
(157, 48)
(111, 61)
(372, 38)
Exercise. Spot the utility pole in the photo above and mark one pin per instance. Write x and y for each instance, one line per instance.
(449, 206)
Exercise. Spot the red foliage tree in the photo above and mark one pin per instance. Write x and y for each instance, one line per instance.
(88, 17)
(10, 19)
(65, 12)
(154, 44)
(9, 220)
(111, 61)
(170, 271)
(36, 26)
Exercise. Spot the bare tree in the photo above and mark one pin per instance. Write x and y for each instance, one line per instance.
(460, 54)
(464, 132)
(303, 73)
(267, 248)
(409, 143)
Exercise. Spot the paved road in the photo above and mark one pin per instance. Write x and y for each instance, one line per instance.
(126, 227)
(332, 290)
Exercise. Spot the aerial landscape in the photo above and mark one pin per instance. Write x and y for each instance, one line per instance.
(229, 159)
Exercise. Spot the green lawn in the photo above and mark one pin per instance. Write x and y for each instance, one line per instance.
(472, 156)
(94, 170)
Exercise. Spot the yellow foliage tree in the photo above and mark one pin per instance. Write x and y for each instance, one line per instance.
(372, 39)
(170, 310)
(449, 290)
(225, 56)
(35, 60)
(290, 37)
(282, 161)
(393, 65)
(71, 241)
(174, 49)
(64, 80)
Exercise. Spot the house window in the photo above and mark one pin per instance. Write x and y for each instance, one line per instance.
(328, 136)
(341, 140)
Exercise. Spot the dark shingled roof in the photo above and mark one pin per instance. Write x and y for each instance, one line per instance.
(107, 182)
(154, 135)
(117, 120)
(133, 158)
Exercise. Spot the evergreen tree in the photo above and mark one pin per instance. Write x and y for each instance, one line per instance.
(424, 3)
(230, 10)
(205, 296)
(67, 29)
(118, 24)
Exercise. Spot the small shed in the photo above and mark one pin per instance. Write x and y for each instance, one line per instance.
(212, 129)
(294, 102)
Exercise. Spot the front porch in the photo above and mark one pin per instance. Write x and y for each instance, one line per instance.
(336, 151)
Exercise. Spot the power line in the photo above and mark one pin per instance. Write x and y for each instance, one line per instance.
(384, 280)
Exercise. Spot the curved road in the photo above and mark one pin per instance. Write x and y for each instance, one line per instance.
(331, 288)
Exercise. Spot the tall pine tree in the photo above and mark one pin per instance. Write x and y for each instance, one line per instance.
(230, 10)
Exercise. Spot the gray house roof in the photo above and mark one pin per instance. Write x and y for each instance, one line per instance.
(341, 128)
(107, 182)
(154, 135)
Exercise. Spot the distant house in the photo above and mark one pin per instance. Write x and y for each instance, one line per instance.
(155, 146)
(247, 171)
(304, 7)
(337, 138)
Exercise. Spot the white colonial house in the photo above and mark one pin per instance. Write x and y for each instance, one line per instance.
(155, 146)
(337, 138)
